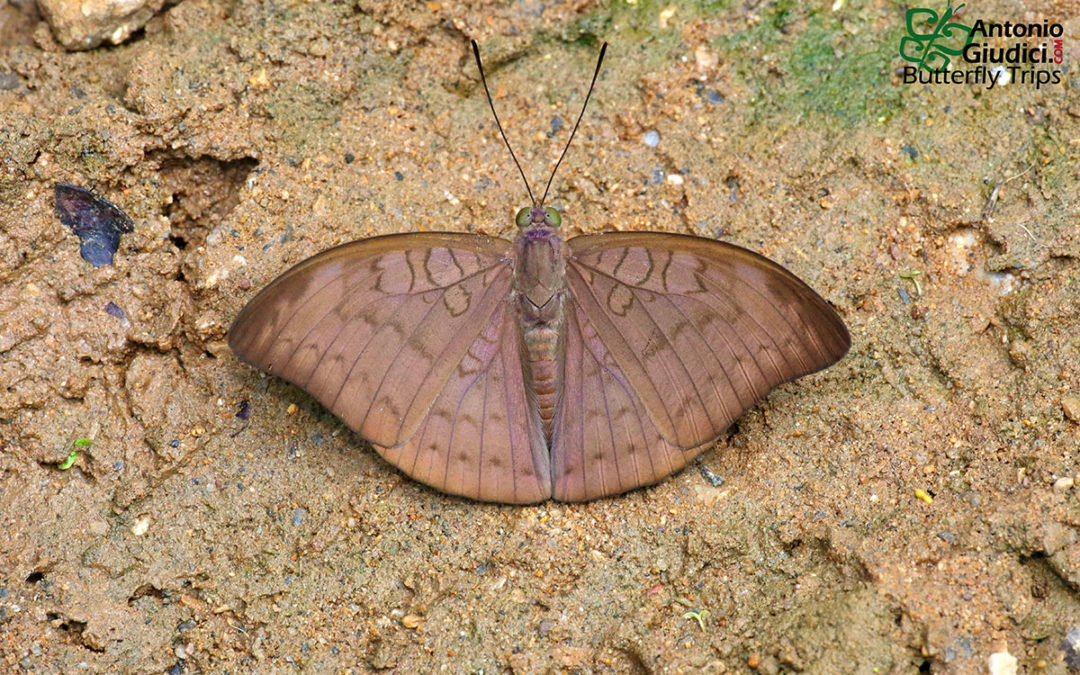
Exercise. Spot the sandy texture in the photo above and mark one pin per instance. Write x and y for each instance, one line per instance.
(941, 221)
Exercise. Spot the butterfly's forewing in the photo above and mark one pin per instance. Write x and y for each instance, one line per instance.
(690, 333)
(378, 330)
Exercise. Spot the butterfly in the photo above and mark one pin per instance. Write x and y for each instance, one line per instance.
(543, 367)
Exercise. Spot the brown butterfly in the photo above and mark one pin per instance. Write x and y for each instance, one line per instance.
(540, 368)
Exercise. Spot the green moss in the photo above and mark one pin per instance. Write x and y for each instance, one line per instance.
(825, 64)
(625, 24)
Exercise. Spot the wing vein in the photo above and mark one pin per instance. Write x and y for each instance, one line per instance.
(599, 312)
(412, 401)
(716, 390)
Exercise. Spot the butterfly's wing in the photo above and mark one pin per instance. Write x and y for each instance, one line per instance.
(483, 437)
(604, 441)
(410, 340)
(669, 339)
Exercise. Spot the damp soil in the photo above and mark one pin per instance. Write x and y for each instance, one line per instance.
(910, 509)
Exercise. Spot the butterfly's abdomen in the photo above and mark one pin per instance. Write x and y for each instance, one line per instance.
(542, 348)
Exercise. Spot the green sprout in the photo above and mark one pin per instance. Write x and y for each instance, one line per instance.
(700, 617)
(67, 463)
(913, 276)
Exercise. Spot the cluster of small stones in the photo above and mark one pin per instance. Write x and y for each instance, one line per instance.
(85, 24)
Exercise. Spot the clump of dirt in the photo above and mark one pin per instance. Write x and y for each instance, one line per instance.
(913, 507)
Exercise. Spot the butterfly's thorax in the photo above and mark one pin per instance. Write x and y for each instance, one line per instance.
(540, 290)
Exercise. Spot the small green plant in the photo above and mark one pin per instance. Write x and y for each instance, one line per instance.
(69, 461)
(913, 276)
(700, 616)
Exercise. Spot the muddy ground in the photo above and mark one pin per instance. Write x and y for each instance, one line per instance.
(910, 509)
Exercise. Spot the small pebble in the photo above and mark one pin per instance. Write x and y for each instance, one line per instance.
(712, 477)
(98, 527)
(411, 621)
(651, 138)
(114, 310)
(9, 81)
(1071, 406)
(97, 222)
(299, 516)
(141, 526)
(924, 495)
(1002, 663)
(705, 58)
(1063, 484)
(1071, 647)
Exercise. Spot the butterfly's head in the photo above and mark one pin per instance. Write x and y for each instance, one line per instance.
(531, 217)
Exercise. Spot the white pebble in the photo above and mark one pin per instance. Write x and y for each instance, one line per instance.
(651, 138)
(961, 245)
(141, 526)
(675, 179)
(1002, 663)
(1004, 282)
(1063, 484)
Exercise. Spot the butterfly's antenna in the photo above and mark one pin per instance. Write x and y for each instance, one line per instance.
(476, 53)
(599, 62)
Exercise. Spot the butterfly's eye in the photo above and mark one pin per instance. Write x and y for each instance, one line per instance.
(522, 217)
(553, 217)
